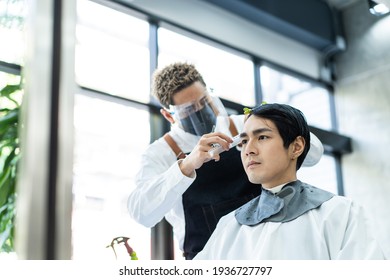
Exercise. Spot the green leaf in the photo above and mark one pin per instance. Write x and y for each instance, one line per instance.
(4, 236)
(247, 111)
(9, 89)
(7, 226)
(10, 118)
(9, 136)
(5, 183)
(9, 161)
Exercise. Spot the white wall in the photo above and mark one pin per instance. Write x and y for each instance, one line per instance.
(363, 108)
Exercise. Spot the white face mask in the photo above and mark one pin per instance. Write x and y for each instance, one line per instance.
(200, 116)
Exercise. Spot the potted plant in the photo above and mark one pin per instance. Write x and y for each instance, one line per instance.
(10, 97)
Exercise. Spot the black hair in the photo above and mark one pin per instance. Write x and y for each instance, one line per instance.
(290, 123)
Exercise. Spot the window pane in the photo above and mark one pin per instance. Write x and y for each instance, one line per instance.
(229, 76)
(322, 175)
(112, 52)
(313, 101)
(8, 79)
(12, 16)
(108, 145)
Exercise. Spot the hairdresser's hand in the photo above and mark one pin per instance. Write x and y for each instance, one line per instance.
(200, 154)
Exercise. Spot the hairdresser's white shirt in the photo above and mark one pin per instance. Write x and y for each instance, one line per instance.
(336, 230)
(160, 183)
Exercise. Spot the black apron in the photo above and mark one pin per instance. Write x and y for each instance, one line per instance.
(220, 187)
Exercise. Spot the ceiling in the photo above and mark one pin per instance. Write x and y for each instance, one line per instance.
(341, 4)
(316, 23)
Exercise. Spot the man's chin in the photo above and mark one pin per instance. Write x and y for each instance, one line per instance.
(254, 180)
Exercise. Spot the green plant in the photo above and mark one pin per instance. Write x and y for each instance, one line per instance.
(9, 157)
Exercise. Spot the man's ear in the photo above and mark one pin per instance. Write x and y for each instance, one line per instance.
(297, 147)
(167, 115)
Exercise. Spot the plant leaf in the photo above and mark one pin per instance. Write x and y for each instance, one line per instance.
(5, 183)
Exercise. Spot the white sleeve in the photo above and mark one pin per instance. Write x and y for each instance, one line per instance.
(160, 185)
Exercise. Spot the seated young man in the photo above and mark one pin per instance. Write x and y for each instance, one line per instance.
(290, 219)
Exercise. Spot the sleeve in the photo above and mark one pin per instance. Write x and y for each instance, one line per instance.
(159, 185)
(358, 242)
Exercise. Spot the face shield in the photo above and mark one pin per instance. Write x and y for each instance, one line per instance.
(200, 116)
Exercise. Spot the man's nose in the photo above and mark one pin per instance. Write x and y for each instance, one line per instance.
(250, 149)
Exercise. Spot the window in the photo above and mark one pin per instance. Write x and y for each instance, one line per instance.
(8, 79)
(109, 139)
(229, 76)
(312, 100)
(12, 14)
(112, 53)
(112, 56)
(321, 175)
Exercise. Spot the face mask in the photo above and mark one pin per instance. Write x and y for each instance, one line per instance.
(200, 116)
(200, 122)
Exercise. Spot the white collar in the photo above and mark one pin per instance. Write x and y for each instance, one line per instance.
(276, 189)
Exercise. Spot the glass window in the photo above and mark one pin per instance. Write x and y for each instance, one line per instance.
(112, 53)
(8, 79)
(12, 15)
(312, 100)
(322, 175)
(229, 76)
(109, 139)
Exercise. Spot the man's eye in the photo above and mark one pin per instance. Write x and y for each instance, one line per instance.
(263, 137)
(243, 142)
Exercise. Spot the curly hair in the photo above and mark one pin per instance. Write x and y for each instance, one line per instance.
(173, 78)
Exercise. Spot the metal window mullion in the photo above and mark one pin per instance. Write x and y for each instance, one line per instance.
(257, 80)
(10, 68)
(339, 175)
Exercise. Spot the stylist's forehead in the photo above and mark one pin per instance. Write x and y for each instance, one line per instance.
(191, 93)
